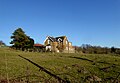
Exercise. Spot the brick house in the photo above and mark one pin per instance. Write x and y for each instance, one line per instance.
(58, 44)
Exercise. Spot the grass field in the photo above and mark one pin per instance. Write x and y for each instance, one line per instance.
(73, 68)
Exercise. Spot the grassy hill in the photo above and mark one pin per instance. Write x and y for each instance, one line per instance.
(69, 67)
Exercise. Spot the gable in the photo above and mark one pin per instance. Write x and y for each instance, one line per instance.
(49, 38)
(60, 39)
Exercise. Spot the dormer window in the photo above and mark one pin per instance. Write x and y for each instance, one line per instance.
(59, 40)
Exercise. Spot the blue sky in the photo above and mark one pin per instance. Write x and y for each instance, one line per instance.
(95, 22)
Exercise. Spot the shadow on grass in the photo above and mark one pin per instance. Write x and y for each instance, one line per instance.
(45, 70)
(85, 59)
(81, 58)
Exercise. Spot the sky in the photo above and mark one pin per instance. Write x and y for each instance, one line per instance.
(95, 22)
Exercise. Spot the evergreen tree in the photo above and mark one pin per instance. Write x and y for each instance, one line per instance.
(30, 43)
(20, 40)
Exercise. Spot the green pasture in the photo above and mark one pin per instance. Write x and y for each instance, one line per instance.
(74, 67)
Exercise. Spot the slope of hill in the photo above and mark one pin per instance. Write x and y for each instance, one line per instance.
(69, 67)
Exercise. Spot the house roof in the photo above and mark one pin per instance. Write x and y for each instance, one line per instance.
(52, 39)
(38, 45)
(61, 38)
(56, 39)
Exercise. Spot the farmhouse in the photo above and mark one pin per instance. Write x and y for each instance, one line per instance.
(58, 44)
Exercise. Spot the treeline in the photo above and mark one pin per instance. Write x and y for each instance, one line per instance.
(89, 49)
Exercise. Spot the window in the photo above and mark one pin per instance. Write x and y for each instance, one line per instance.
(48, 41)
(59, 40)
(70, 44)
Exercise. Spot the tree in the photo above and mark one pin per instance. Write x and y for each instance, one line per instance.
(113, 49)
(2, 43)
(30, 43)
(21, 40)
